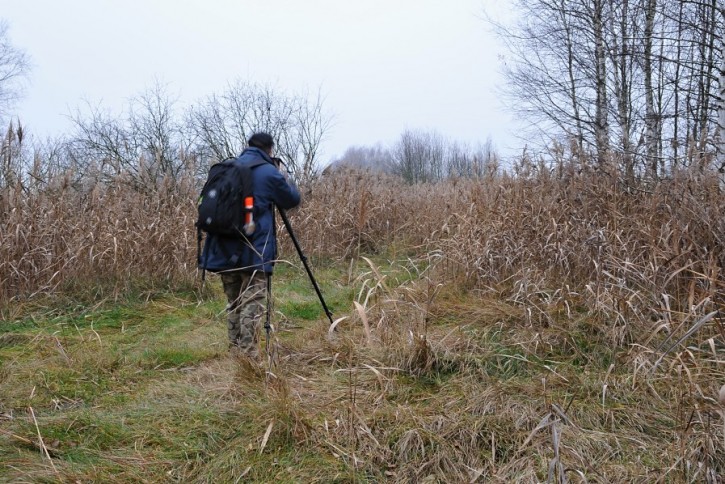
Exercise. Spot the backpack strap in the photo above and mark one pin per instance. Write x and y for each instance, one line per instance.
(198, 252)
(206, 254)
(267, 324)
(252, 165)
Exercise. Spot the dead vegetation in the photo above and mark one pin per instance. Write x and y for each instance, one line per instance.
(553, 326)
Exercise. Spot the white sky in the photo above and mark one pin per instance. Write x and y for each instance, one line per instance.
(383, 65)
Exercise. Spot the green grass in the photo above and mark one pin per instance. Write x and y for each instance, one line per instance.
(296, 298)
(144, 390)
(110, 382)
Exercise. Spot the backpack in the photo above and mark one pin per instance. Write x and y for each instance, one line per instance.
(226, 201)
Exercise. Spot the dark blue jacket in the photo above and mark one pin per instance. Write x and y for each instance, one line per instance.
(269, 188)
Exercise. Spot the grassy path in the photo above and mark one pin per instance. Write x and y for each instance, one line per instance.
(421, 383)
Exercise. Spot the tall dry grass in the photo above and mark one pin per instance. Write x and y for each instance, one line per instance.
(609, 294)
(66, 239)
(630, 252)
(635, 254)
(562, 262)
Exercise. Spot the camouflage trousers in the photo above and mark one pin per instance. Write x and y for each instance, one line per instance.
(247, 298)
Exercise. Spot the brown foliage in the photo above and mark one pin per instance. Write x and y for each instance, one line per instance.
(626, 251)
(65, 239)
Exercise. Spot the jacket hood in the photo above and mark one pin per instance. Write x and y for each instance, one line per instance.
(256, 152)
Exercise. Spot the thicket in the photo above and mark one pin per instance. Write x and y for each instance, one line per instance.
(558, 267)
(639, 253)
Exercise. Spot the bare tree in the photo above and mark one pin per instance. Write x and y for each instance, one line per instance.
(607, 73)
(426, 157)
(623, 27)
(143, 145)
(419, 156)
(156, 132)
(554, 69)
(222, 124)
(464, 162)
(312, 125)
(650, 116)
(14, 67)
(601, 118)
(721, 109)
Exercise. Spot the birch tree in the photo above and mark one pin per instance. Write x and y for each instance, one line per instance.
(721, 109)
(650, 116)
(635, 81)
(222, 124)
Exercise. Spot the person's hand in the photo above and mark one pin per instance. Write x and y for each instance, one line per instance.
(281, 167)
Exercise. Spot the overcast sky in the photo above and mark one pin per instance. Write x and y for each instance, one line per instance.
(383, 66)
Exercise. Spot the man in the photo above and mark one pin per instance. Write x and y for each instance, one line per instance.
(245, 266)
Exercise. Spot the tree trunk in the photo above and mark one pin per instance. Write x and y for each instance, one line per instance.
(571, 72)
(620, 59)
(601, 124)
(650, 117)
(677, 88)
(721, 113)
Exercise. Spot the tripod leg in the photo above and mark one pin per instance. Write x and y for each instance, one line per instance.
(287, 225)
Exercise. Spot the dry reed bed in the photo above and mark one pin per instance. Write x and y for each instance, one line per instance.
(645, 259)
(578, 283)
(629, 277)
(103, 239)
(398, 395)
(631, 253)
(636, 255)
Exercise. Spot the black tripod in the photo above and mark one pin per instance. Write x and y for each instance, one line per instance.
(304, 262)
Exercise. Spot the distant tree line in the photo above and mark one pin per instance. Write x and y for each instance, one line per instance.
(423, 157)
(640, 82)
(154, 140)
